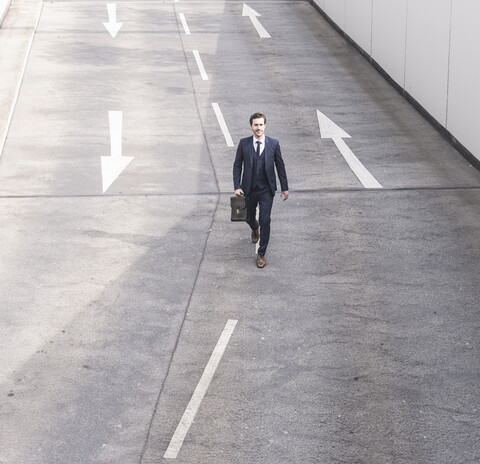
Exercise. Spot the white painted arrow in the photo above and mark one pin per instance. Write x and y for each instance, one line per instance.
(112, 166)
(329, 130)
(112, 26)
(252, 14)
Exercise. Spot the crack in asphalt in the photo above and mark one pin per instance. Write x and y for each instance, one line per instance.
(214, 213)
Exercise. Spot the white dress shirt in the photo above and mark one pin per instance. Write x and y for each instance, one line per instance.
(262, 144)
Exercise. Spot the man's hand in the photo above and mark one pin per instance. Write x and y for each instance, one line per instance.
(284, 194)
(239, 192)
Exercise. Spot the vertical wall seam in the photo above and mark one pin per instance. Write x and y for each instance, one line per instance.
(371, 31)
(448, 64)
(406, 43)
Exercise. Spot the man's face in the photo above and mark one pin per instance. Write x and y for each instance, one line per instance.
(258, 128)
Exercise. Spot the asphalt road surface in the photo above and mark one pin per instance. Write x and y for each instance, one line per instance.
(120, 268)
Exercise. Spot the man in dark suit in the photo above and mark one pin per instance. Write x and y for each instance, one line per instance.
(258, 155)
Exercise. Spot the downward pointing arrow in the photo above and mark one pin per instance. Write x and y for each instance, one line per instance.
(112, 26)
(252, 14)
(112, 166)
(329, 130)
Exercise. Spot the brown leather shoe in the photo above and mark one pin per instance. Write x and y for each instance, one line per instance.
(261, 261)
(255, 235)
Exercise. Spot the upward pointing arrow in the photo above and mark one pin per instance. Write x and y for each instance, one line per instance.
(329, 130)
(112, 166)
(249, 11)
(112, 26)
(252, 14)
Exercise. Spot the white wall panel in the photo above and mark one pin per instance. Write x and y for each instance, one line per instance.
(358, 22)
(431, 48)
(463, 119)
(426, 70)
(389, 27)
(335, 9)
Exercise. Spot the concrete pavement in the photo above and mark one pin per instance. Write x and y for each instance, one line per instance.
(358, 343)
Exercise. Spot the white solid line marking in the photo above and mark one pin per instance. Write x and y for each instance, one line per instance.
(184, 23)
(201, 68)
(202, 387)
(356, 166)
(22, 75)
(223, 124)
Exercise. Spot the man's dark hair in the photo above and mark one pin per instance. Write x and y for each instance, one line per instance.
(258, 116)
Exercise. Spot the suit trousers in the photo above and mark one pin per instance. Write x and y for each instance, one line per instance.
(264, 199)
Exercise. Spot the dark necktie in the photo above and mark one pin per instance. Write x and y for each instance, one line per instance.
(254, 167)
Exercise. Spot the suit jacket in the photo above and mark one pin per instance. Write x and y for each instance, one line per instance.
(273, 157)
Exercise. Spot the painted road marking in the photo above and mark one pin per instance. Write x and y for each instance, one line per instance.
(20, 81)
(201, 68)
(252, 14)
(112, 26)
(329, 130)
(202, 387)
(223, 124)
(113, 165)
(184, 23)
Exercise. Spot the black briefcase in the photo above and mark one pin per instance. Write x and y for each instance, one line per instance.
(239, 208)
